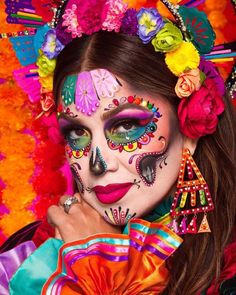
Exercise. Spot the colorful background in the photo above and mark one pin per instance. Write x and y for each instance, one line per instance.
(33, 173)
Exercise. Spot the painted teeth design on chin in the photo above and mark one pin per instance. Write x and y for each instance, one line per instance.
(75, 167)
(118, 216)
(146, 166)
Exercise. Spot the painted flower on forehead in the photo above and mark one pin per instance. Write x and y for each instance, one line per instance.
(114, 16)
(149, 23)
(86, 99)
(198, 114)
(188, 83)
(168, 38)
(105, 83)
(52, 46)
(184, 58)
(130, 22)
(71, 22)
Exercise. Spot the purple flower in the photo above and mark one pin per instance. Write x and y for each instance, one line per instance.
(130, 22)
(211, 72)
(149, 23)
(52, 46)
(63, 36)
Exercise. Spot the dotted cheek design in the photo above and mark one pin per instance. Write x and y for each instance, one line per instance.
(149, 130)
(77, 154)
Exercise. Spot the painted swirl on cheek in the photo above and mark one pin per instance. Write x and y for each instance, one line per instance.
(75, 168)
(146, 163)
(118, 215)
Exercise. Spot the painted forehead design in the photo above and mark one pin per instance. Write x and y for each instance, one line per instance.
(86, 88)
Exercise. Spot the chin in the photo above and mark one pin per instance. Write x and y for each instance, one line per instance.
(118, 215)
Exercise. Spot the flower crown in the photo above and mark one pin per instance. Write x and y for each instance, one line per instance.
(185, 42)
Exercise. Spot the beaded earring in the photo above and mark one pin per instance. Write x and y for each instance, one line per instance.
(191, 198)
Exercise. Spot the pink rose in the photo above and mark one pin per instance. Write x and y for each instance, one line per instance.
(188, 83)
(198, 113)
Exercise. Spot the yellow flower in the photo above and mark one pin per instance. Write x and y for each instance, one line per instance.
(47, 82)
(46, 66)
(184, 58)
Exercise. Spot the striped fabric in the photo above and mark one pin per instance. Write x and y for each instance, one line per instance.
(115, 263)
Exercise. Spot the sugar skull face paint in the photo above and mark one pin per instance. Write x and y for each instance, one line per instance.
(78, 139)
(146, 163)
(97, 164)
(75, 169)
(107, 174)
(129, 133)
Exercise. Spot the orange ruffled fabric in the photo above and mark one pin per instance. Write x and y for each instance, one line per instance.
(115, 263)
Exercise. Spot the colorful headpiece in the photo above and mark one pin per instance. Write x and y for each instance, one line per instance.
(184, 35)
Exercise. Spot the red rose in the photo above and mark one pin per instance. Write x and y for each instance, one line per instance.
(47, 103)
(198, 113)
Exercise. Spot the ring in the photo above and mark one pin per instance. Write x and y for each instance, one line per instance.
(68, 203)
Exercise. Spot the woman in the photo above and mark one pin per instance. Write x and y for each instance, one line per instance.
(132, 128)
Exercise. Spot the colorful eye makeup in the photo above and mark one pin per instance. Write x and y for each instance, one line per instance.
(131, 132)
(77, 137)
(128, 127)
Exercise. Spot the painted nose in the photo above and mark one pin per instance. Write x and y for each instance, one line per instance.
(97, 164)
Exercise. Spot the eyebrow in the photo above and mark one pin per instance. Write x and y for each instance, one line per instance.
(122, 107)
(109, 114)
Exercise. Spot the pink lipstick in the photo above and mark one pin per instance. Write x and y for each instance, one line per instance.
(111, 193)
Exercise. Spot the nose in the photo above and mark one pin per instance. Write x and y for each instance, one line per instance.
(97, 164)
(101, 160)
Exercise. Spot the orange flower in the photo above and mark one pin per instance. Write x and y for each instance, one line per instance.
(187, 83)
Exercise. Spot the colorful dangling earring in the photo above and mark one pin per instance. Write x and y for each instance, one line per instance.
(191, 198)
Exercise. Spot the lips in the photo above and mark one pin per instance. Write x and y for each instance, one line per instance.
(111, 193)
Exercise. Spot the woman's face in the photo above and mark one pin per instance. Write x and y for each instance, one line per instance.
(124, 146)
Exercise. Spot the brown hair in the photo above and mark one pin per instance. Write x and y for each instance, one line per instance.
(199, 259)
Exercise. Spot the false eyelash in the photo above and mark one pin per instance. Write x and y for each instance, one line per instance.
(65, 130)
(117, 123)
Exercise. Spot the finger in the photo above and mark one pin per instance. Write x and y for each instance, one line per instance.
(66, 197)
(77, 195)
(56, 215)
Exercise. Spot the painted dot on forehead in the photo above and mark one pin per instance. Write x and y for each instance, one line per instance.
(68, 90)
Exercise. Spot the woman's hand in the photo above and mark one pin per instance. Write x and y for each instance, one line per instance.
(81, 221)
